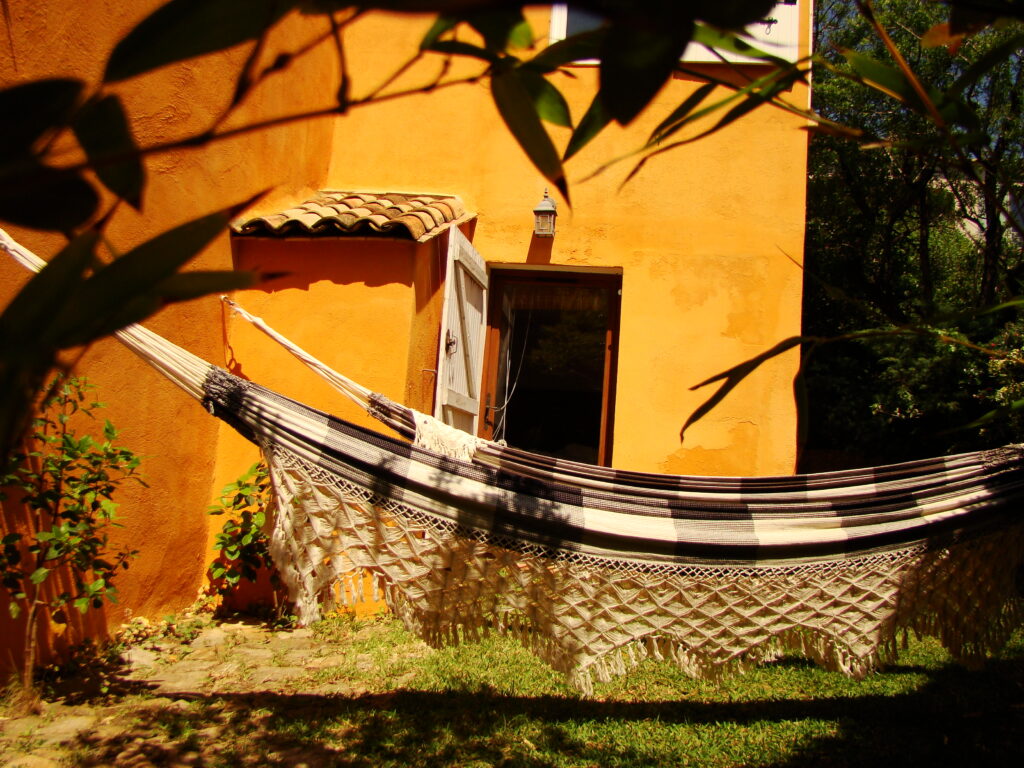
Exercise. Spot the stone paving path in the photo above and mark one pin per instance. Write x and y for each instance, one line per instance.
(158, 677)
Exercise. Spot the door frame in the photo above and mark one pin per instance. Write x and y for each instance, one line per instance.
(501, 276)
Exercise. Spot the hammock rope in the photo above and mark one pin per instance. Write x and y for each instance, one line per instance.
(595, 569)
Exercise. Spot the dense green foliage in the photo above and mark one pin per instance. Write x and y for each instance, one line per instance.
(916, 237)
(57, 555)
(242, 543)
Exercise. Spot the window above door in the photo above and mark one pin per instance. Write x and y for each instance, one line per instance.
(778, 33)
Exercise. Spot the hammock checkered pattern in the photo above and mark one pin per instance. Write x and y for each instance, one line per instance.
(595, 569)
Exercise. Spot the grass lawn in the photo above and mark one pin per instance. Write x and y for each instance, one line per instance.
(392, 702)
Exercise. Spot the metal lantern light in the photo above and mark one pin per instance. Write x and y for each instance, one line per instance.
(544, 217)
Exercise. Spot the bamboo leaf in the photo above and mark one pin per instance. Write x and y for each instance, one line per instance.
(459, 48)
(593, 122)
(987, 63)
(676, 119)
(517, 109)
(586, 45)
(723, 40)
(32, 309)
(129, 287)
(183, 29)
(547, 99)
(441, 25)
(734, 376)
(102, 130)
(637, 60)
(32, 109)
(501, 28)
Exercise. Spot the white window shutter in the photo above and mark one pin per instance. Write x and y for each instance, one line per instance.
(463, 326)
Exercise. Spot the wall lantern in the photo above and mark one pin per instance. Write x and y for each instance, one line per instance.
(544, 217)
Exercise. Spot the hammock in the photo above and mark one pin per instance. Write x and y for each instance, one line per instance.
(595, 569)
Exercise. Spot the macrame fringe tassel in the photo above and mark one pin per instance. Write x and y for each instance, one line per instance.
(594, 620)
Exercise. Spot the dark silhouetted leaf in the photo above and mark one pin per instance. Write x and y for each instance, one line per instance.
(192, 285)
(47, 198)
(182, 29)
(586, 45)
(735, 375)
(893, 82)
(678, 118)
(129, 286)
(502, 27)
(32, 309)
(517, 109)
(548, 100)
(441, 25)
(638, 59)
(593, 122)
(724, 40)
(459, 48)
(102, 130)
(734, 14)
(28, 111)
(986, 63)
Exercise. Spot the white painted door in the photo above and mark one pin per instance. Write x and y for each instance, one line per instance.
(463, 325)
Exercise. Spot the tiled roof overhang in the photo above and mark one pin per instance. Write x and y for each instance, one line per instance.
(412, 216)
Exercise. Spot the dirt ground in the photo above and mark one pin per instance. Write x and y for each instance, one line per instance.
(132, 713)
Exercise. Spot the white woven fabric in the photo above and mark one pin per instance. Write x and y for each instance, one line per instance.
(593, 618)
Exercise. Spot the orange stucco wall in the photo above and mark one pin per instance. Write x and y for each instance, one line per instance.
(52, 38)
(709, 239)
(704, 237)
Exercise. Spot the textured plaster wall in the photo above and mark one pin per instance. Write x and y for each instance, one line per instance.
(709, 239)
(71, 38)
(703, 237)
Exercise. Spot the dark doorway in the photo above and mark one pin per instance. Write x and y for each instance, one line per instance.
(549, 375)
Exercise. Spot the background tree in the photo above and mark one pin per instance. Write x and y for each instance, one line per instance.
(915, 237)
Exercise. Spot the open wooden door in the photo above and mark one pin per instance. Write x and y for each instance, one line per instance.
(463, 325)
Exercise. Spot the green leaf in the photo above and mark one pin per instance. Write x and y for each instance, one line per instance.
(82, 604)
(548, 100)
(638, 58)
(182, 29)
(882, 76)
(14, 609)
(38, 576)
(102, 129)
(593, 122)
(517, 109)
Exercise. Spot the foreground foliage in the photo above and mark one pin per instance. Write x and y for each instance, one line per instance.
(56, 552)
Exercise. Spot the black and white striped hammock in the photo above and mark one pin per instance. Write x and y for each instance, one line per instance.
(595, 569)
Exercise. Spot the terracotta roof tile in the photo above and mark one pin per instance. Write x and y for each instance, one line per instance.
(418, 217)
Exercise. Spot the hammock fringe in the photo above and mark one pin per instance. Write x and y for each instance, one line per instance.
(596, 570)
